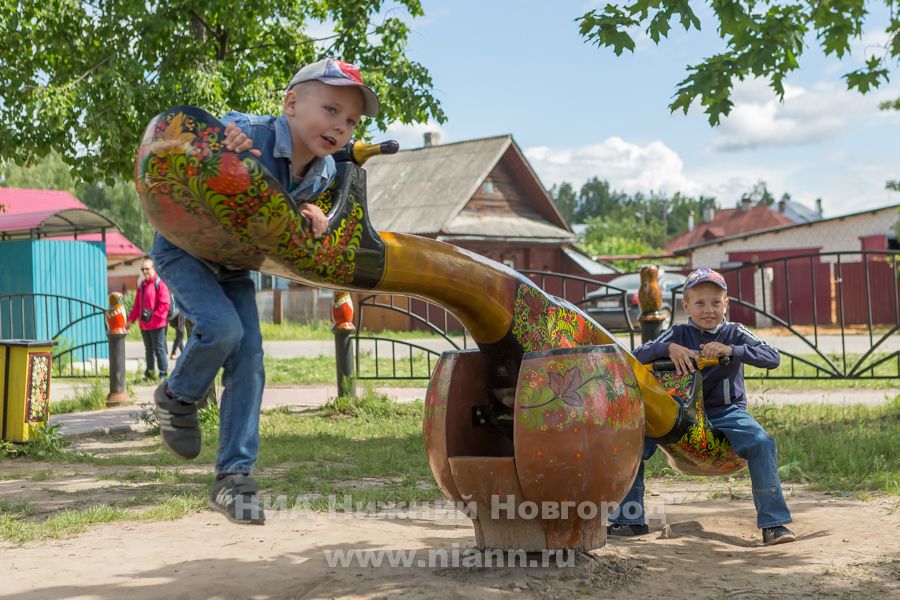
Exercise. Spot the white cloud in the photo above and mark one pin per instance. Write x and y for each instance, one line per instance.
(412, 136)
(629, 167)
(844, 185)
(806, 116)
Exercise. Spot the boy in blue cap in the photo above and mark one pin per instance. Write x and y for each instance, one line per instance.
(707, 334)
(321, 106)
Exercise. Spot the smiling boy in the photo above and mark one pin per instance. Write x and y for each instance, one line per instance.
(322, 104)
(709, 335)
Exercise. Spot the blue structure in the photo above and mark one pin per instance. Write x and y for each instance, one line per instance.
(51, 290)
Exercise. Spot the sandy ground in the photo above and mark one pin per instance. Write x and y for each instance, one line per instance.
(703, 544)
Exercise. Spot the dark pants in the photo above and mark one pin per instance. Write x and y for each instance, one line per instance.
(155, 347)
(178, 342)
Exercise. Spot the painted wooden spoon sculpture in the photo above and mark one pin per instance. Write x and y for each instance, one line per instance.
(225, 207)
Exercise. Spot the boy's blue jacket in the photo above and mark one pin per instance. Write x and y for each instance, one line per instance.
(272, 137)
(725, 384)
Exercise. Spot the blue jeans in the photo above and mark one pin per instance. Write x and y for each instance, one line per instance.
(155, 348)
(221, 303)
(751, 442)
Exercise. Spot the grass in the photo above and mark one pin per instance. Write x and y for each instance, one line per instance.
(15, 527)
(372, 449)
(829, 447)
(91, 396)
(793, 369)
(322, 370)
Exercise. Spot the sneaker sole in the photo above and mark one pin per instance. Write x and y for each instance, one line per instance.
(781, 540)
(228, 516)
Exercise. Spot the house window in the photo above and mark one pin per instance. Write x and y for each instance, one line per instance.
(487, 187)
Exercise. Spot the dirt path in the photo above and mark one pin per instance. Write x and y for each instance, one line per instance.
(846, 548)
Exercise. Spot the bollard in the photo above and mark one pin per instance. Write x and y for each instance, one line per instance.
(650, 301)
(115, 326)
(342, 317)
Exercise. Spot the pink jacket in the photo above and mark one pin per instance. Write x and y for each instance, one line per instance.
(156, 299)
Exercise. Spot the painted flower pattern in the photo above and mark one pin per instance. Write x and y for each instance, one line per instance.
(568, 391)
(38, 393)
(184, 167)
(540, 323)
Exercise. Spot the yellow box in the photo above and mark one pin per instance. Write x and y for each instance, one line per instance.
(25, 367)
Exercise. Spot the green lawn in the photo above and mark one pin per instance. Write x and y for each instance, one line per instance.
(372, 449)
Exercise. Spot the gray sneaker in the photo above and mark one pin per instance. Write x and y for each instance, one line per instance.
(235, 496)
(777, 535)
(179, 427)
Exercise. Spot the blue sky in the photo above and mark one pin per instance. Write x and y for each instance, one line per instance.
(579, 111)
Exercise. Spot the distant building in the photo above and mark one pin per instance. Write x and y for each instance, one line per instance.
(719, 224)
(481, 195)
(844, 288)
(28, 210)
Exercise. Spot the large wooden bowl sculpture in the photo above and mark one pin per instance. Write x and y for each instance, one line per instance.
(549, 409)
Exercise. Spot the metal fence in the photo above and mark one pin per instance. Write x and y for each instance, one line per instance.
(834, 315)
(77, 328)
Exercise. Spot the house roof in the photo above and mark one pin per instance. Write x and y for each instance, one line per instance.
(798, 213)
(48, 223)
(729, 222)
(782, 228)
(18, 201)
(424, 190)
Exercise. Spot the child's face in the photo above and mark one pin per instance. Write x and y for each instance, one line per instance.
(706, 304)
(321, 117)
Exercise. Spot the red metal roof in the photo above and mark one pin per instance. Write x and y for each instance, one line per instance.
(20, 202)
(729, 222)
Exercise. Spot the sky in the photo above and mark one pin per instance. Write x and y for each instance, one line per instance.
(578, 111)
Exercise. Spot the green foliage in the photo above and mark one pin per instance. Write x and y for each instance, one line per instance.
(46, 444)
(565, 199)
(368, 406)
(621, 237)
(622, 224)
(762, 39)
(83, 79)
(89, 397)
(118, 202)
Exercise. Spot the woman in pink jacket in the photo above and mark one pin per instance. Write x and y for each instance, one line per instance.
(151, 309)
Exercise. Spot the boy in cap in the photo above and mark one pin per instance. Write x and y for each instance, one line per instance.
(707, 334)
(322, 104)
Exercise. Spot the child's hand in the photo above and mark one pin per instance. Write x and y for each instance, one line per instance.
(682, 356)
(317, 219)
(236, 141)
(715, 350)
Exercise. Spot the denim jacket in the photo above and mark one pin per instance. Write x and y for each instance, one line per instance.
(722, 385)
(272, 137)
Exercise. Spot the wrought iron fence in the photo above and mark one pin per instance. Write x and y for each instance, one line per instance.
(77, 328)
(839, 312)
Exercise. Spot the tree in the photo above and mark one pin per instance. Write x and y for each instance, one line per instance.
(118, 202)
(617, 237)
(763, 39)
(760, 194)
(83, 78)
(565, 199)
(596, 198)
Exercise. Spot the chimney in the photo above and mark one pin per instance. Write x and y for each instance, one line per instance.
(709, 213)
(746, 203)
(691, 222)
(819, 207)
(432, 138)
(782, 205)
